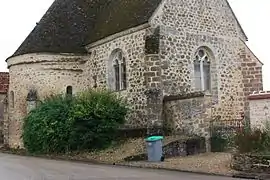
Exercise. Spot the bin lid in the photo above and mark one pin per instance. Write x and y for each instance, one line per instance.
(154, 138)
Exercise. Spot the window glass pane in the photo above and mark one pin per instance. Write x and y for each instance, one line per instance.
(117, 78)
(197, 70)
(198, 85)
(197, 74)
(207, 76)
(124, 76)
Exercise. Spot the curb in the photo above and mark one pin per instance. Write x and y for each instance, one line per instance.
(95, 162)
(175, 170)
(245, 176)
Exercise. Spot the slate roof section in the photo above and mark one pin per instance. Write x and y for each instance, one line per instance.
(68, 25)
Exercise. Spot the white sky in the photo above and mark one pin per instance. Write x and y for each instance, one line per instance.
(18, 18)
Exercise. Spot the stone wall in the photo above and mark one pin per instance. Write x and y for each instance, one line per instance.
(188, 114)
(259, 107)
(4, 83)
(132, 44)
(210, 24)
(47, 74)
(2, 115)
(252, 75)
(51, 74)
(206, 16)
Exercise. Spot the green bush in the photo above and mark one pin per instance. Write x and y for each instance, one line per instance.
(96, 117)
(83, 122)
(46, 129)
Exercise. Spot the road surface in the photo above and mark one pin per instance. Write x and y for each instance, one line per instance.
(28, 168)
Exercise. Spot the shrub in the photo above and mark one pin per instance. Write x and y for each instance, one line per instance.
(46, 129)
(96, 117)
(253, 141)
(83, 122)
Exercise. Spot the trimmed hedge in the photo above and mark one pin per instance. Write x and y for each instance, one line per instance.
(87, 121)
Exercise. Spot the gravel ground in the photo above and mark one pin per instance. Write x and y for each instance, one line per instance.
(117, 154)
(215, 163)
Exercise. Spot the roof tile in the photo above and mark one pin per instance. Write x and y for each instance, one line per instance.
(68, 25)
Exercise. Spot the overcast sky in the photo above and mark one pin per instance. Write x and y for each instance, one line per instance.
(18, 18)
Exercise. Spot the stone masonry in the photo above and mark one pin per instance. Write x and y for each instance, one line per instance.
(259, 107)
(235, 71)
(4, 83)
(160, 58)
(47, 74)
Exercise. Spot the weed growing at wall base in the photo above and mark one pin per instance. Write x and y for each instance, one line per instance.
(253, 140)
(86, 121)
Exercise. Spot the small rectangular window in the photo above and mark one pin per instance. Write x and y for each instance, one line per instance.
(69, 92)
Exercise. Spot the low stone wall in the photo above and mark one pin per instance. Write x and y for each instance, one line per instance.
(178, 148)
(188, 114)
(251, 163)
(183, 147)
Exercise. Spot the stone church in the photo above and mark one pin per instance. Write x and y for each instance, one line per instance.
(179, 63)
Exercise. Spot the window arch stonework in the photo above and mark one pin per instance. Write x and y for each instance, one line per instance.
(117, 71)
(202, 70)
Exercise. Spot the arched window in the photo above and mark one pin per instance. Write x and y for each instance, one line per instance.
(202, 70)
(69, 91)
(11, 99)
(118, 72)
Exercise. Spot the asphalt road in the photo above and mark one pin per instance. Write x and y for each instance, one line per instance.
(25, 168)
